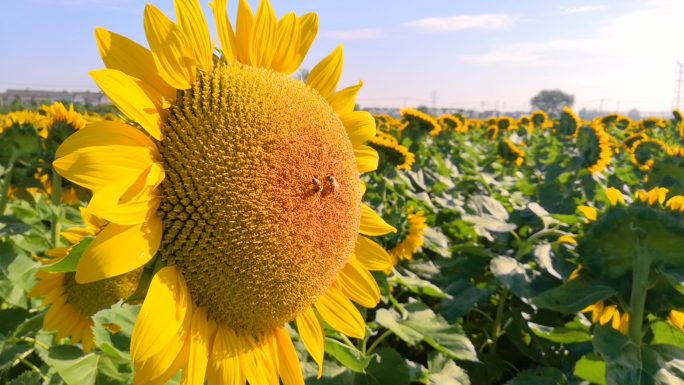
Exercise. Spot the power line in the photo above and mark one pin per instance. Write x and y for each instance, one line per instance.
(678, 86)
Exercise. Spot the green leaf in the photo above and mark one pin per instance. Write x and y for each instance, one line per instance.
(350, 357)
(563, 335)
(464, 296)
(75, 368)
(11, 319)
(627, 362)
(513, 275)
(592, 368)
(666, 333)
(425, 325)
(27, 378)
(539, 376)
(444, 371)
(10, 225)
(416, 285)
(115, 344)
(70, 262)
(388, 368)
(675, 277)
(575, 295)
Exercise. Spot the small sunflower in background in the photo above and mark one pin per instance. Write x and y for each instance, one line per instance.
(242, 182)
(72, 305)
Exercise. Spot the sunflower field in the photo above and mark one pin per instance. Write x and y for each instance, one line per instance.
(236, 224)
(529, 251)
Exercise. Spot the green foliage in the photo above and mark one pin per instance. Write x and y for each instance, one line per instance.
(490, 297)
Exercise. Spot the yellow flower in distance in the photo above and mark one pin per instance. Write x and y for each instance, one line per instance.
(242, 181)
(73, 305)
(413, 241)
(614, 196)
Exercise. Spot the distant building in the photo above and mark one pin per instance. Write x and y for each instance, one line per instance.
(32, 96)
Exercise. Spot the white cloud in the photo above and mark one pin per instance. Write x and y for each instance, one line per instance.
(524, 53)
(357, 34)
(586, 8)
(461, 22)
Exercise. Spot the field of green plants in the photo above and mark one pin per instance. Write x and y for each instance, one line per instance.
(531, 251)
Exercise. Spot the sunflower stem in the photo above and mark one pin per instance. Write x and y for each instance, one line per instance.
(377, 342)
(6, 184)
(347, 341)
(640, 270)
(499, 317)
(56, 203)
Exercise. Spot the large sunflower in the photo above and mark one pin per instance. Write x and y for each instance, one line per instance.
(244, 183)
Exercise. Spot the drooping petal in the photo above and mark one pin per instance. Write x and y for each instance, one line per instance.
(129, 200)
(288, 362)
(359, 285)
(125, 55)
(341, 314)
(224, 365)
(264, 36)
(49, 323)
(172, 52)
(313, 336)
(224, 30)
(120, 249)
(289, 31)
(344, 101)
(360, 126)
(366, 158)
(243, 32)
(252, 360)
(181, 359)
(162, 315)
(371, 255)
(195, 371)
(192, 22)
(309, 29)
(129, 97)
(589, 212)
(607, 314)
(372, 224)
(326, 74)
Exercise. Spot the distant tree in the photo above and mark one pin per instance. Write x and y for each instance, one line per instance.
(302, 74)
(16, 105)
(552, 101)
(422, 108)
(634, 114)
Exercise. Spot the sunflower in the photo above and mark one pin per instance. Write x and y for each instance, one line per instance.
(509, 153)
(644, 152)
(73, 305)
(389, 142)
(492, 132)
(453, 123)
(242, 181)
(604, 314)
(421, 121)
(540, 120)
(595, 148)
(409, 246)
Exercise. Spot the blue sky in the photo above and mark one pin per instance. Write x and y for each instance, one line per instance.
(496, 52)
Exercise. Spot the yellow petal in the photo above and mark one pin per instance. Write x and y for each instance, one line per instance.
(49, 323)
(125, 55)
(269, 345)
(252, 360)
(326, 74)
(108, 134)
(372, 224)
(158, 367)
(264, 36)
(662, 194)
(243, 32)
(76, 234)
(171, 50)
(371, 255)
(358, 284)
(676, 318)
(180, 361)
(607, 314)
(344, 101)
(597, 313)
(88, 339)
(129, 97)
(642, 195)
(614, 196)
(624, 324)
(360, 126)
(193, 24)
(566, 239)
(366, 158)
(120, 249)
(224, 365)
(289, 31)
(162, 314)
(90, 219)
(338, 311)
(129, 200)
(224, 30)
(288, 362)
(313, 336)
(309, 28)
(589, 212)
(199, 349)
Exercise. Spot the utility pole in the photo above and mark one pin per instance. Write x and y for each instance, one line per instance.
(678, 86)
(434, 102)
(601, 107)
